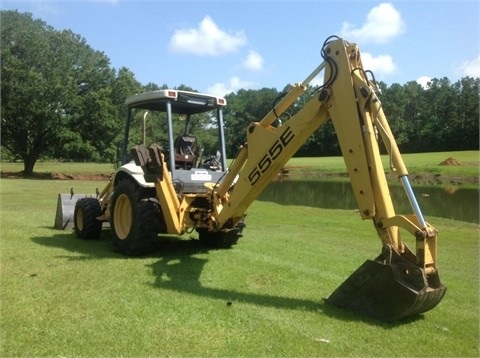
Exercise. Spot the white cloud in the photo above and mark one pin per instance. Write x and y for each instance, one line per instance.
(208, 39)
(470, 68)
(423, 81)
(383, 23)
(380, 65)
(253, 61)
(233, 85)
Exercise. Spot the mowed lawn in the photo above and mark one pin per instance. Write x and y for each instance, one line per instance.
(63, 297)
(467, 165)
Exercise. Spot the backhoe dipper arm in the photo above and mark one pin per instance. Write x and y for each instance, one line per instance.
(348, 98)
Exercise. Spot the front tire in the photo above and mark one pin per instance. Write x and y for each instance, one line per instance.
(86, 224)
(133, 222)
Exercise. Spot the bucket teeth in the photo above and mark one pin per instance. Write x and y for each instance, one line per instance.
(389, 291)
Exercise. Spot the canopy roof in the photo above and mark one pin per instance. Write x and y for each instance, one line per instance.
(182, 102)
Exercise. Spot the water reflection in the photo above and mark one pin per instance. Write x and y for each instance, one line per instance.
(460, 204)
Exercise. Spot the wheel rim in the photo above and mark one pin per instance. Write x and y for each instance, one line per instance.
(122, 217)
(79, 219)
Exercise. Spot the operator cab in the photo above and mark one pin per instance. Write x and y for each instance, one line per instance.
(178, 122)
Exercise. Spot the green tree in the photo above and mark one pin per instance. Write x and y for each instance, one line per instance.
(244, 107)
(55, 93)
(394, 101)
(124, 86)
(466, 128)
(36, 87)
(415, 115)
(93, 123)
(439, 115)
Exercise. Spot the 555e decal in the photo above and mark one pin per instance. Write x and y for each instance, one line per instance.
(275, 150)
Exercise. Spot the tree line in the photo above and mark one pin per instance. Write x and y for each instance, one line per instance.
(443, 116)
(61, 99)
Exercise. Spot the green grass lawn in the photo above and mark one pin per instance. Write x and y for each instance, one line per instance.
(417, 163)
(63, 297)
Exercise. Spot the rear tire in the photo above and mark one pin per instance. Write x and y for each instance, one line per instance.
(134, 220)
(86, 224)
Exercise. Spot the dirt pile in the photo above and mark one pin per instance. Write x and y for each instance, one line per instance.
(450, 161)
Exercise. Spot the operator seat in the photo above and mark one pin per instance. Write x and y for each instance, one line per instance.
(186, 151)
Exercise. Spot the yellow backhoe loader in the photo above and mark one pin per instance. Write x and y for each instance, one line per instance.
(167, 188)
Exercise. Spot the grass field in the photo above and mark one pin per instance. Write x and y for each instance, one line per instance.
(63, 297)
(428, 165)
(420, 163)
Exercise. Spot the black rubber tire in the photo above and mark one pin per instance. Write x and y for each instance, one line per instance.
(152, 217)
(86, 225)
(134, 220)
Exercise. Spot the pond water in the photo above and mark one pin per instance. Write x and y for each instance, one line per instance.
(452, 203)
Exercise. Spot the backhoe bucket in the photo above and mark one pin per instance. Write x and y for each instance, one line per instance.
(389, 290)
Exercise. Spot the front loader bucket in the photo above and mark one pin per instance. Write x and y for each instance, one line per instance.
(65, 210)
(389, 291)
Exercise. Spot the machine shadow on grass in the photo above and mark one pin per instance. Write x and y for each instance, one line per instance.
(179, 268)
(80, 249)
(181, 271)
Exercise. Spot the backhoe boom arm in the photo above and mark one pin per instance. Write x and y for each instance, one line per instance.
(349, 99)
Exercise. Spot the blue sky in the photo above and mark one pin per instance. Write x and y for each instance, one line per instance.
(222, 46)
